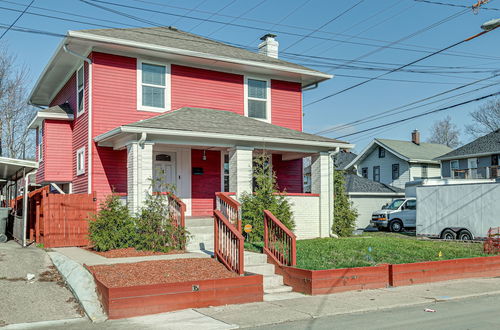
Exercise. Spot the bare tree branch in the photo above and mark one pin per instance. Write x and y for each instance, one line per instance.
(445, 132)
(486, 119)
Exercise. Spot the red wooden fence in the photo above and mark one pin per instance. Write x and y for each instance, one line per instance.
(279, 241)
(228, 244)
(58, 220)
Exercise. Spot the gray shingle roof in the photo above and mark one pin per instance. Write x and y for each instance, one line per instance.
(356, 183)
(490, 143)
(171, 37)
(343, 158)
(224, 122)
(423, 151)
(64, 108)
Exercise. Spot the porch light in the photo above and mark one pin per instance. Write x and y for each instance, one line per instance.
(204, 155)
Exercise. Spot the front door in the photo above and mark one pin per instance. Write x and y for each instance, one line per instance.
(164, 174)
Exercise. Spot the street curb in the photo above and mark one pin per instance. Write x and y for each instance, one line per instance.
(81, 283)
(37, 325)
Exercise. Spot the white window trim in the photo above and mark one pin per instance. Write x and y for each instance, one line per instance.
(40, 142)
(80, 112)
(167, 94)
(469, 160)
(80, 170)
(268, 94)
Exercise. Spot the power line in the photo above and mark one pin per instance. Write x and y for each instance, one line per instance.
(454, 5)
(236, 18)
(325, 24)
(212, 15)
(422, 114)
(391, 71)
(17, 19)
(361, 120)
(201, 3)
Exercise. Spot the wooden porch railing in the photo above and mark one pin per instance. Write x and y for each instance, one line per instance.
(228, 244)
(177, 210)
(230, 208)
(279, 241)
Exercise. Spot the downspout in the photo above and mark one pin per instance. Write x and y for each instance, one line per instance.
(26, 178)
(331, 184)
(89, 117)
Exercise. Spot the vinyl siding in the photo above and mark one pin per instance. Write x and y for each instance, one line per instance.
(433, 171)
(286, 104)
(289, 175)
(386, 168)
(463, 164)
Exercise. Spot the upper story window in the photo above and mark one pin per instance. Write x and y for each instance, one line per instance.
(40, 142)
(80, 86)
(80, 161)
(395, 171)
(257, 103)
(376, 173)
(364, 172)
(153, 88)
(381, 152)
(425, 173)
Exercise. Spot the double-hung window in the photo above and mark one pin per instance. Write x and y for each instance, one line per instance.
(395, 171)
(153, 88)
(80, 161)
(376, 173)
(80, 86)
(40, 142)
(364, 172)
(257, 102)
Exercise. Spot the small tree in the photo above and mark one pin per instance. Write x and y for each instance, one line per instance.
(344, 215)
(156, 228)
(112, 227)
(264, 198)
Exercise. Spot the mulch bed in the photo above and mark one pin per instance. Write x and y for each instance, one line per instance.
(160, 271)
(130, 252)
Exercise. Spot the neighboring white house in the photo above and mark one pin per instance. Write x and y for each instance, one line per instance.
(395, 162)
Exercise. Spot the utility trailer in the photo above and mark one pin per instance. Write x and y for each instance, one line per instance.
(457, 209)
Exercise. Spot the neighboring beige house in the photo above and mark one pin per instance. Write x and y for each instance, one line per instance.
(396, 162)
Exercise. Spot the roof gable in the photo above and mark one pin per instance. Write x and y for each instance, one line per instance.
(484, 145)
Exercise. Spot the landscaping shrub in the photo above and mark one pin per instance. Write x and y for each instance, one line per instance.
(344, 214)
(112, 227)
(156, 230)
(264, 198)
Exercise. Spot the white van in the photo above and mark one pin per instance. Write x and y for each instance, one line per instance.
(400, 214)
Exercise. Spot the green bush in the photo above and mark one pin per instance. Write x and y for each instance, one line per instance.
(264, 198)
(344, 215)
(112, 227)
(156, 230)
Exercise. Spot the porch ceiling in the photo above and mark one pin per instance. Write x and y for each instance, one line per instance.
(209, 127)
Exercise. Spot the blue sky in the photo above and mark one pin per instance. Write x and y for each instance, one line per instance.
(363, 33)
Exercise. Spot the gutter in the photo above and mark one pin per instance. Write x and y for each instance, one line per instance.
(89, 117)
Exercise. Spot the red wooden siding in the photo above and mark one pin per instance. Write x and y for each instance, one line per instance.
(204, 187)
(286, 104)
(192, 87)
(110, 171)
(40, 173)
(58, 137)
(289, 174)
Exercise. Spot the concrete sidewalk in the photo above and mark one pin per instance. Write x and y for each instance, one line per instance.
(83, 256)
(304, 308)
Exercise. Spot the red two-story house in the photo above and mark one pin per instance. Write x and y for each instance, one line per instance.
(127, 107)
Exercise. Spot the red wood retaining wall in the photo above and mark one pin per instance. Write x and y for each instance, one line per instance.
(159, 298)
(315, 282)
(434, 271)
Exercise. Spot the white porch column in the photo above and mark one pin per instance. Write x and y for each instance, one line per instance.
(139, 173)
(240, 170)
(322, 183)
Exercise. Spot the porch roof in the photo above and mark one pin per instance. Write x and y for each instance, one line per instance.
(219, 124)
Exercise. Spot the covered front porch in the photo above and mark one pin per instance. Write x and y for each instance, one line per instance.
(212, 157)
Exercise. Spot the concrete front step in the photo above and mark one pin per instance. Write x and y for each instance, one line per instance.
(282, 296)
(201, 230)
(199, 222)
(272, 281)
(197, 245)
(264, 269)
(252, 258)
(278, 289)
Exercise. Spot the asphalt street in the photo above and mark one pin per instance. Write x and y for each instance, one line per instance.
(470, 313)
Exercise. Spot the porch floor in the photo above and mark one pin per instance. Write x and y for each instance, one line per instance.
(83, 256)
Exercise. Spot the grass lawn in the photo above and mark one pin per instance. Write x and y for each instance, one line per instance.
(371, 249)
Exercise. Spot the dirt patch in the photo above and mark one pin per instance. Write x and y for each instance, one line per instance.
(160, 271)
(52, 275)
(76, 305)
(131, 252)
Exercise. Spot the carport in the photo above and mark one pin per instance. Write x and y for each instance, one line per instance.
(11, 171)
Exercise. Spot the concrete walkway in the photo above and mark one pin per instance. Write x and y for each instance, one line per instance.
(43, 298)
(83, 256)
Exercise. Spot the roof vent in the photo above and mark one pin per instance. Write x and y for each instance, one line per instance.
(269, 45)
(172, 28)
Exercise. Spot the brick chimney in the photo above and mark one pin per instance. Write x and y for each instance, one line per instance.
(415, 137)
(269, 45)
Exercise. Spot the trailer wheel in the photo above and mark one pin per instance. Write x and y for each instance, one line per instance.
(448, 234)
(465, 235)
(396, 226)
